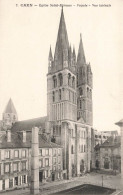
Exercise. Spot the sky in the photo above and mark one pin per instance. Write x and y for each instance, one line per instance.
(26, 34)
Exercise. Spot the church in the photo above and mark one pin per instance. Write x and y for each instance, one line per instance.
(69, 119)
(69, 103)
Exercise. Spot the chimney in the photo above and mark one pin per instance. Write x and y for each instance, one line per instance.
(8, 135)
(34, 188)
(24, 136)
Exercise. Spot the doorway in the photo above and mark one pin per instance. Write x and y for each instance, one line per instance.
(16, 181)
(106, 164)
(53, 177)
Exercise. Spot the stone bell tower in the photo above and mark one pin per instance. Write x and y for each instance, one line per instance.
(84, 87)
(61, 81)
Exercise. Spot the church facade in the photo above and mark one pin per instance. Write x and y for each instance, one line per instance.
(69, 117)
(69, 103)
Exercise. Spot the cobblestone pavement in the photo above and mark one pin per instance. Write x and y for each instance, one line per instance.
(92, 178)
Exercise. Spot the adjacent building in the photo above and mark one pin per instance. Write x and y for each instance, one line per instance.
(15, 159)
(108, 155)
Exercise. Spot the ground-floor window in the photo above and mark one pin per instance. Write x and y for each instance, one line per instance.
(23, 178)
(3, 185)
(10, 183)
(16, 181)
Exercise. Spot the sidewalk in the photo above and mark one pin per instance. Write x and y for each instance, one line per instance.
(92, 178)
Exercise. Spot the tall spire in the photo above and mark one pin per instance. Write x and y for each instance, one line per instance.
(62, 44)
(10, 107)
(81, 55)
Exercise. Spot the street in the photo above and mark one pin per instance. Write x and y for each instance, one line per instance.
(109, 181)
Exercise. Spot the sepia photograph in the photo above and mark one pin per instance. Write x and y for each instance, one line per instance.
(61, 97)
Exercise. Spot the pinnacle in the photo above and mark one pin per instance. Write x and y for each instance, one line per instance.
(10, 107)
(81, 55)
(50, 54)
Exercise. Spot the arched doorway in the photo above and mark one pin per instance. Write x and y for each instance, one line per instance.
(106, 163)
(97, 164)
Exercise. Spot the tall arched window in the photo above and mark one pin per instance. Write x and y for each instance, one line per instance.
(80, 91)
(83, 104)
(69, 79)
(60, 79)
(53, 96)
(72, 150)
(59, 94)
(73, 82)
(54, 81)
(87, 92)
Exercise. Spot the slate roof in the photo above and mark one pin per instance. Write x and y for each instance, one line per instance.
(29, 124)
(17, 141)
(10, 107)
(112, 142)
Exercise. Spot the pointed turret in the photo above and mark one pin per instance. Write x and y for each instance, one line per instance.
(50, 61)
(10, 107)
(50, 58)
(9, 115)
(62, 45)
(81, 55)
